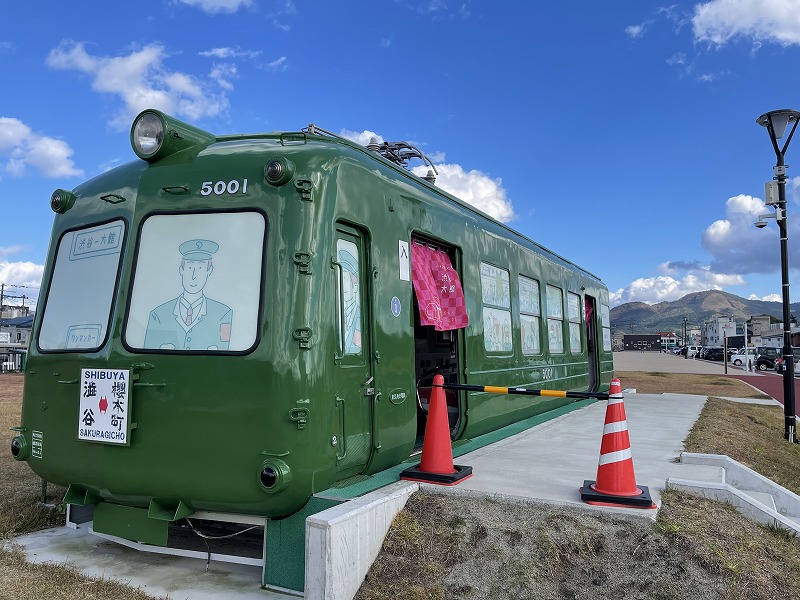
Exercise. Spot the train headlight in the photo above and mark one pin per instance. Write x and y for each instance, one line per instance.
(19, 448)
(61, 201)
(279, 171)
(155, 135)
(147, 135)
(274, 475)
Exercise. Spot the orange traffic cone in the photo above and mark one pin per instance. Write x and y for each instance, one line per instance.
(437, 465)
(616, 483)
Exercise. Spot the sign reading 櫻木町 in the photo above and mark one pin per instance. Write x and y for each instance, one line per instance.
(104, 410)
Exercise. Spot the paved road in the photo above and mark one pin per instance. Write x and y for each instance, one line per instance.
(768, 382)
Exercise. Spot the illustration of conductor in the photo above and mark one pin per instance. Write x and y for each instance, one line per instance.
(192, 321)
(352, 302)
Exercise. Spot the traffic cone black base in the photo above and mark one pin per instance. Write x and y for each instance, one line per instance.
(590, 496)
(414, 474)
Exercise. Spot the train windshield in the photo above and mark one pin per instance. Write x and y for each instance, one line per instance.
(78, 306)
(197, 282)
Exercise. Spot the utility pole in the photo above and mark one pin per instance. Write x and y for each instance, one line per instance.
(2, 289)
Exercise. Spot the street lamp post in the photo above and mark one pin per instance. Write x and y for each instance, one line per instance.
(776, 121)
(685, 343)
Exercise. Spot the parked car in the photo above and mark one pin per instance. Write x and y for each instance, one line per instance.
(692, 350)
(743, 355)
(714, 354)
(765, 363)
(769, 352)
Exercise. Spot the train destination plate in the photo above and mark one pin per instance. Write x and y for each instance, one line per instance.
(104, 407)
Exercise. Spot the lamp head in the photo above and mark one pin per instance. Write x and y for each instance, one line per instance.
(779, 119)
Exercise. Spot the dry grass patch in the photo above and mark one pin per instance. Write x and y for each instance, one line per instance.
(697, 549)
(22, 512)
(687, 383)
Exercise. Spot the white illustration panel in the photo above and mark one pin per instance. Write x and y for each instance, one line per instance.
(197, 282)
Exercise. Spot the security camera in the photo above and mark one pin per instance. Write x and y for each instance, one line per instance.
(760, 224)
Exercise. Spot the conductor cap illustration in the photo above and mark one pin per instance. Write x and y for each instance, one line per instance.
(198, 249)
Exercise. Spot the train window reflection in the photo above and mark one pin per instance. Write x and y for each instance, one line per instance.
(81, 291)
(529, 313)
(495, 291)
(555, 319)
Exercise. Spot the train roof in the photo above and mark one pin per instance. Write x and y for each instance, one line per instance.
(145, 132)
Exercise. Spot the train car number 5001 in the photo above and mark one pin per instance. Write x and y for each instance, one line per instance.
(218, 188)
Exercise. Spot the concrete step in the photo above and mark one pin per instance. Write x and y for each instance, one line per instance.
(762, 497)
(755, 496)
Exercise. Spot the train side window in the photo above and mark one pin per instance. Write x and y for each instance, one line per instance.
(349, 292)
(555, 319)
(78, 305)
(197, 282)
(529, 315)
(495, 290)
(574, 316)
(605, 319)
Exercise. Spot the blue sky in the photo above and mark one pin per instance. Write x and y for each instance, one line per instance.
(620, 135)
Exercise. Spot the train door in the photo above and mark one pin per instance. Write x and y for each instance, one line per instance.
(590, 308)
(353, 356)
(435, 352)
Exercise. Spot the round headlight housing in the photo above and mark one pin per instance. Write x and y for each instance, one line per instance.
(147, 134)
(279, 171)
(19, 448)
(274, 476)
(61, 201)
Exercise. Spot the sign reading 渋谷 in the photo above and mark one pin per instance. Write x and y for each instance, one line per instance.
(104, 408)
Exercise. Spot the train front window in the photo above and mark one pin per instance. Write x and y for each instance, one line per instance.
(78, 305)
(197, 282)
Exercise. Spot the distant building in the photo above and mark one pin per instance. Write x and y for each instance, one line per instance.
(669, 340)
(15, 335)
(760, 328)
(12, 312)
(715, 331)
(643, 342)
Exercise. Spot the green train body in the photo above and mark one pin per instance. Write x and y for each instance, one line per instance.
(307, 371)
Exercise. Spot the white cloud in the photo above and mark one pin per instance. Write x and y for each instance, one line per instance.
(217, 6)
(636, 31)
(361, 137)
(141, 81)
(739, 247)
(224, 74)
(23, 148)
(279, 64)
(475, 188)
(225, 53)
(667, 288)
(719, 21)
(767, 298)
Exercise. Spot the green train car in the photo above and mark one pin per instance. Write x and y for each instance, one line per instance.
(232, 324)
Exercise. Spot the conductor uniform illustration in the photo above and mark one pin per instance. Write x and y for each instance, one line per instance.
(192, 321)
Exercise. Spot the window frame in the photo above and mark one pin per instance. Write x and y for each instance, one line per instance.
(259, 322)
(537, 316)
(505, 310)
(114, 294)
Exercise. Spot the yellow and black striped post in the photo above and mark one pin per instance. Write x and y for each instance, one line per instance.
(492, 389)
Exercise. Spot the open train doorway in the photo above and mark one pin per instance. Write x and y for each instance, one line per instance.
(435, 352)
(590, 307)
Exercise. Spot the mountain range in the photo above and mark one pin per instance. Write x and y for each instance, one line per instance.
(697, 307)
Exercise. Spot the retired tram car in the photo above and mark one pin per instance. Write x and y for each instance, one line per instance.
(230, 323)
